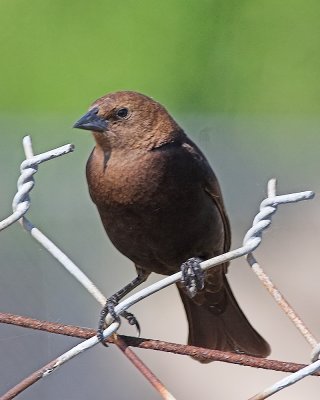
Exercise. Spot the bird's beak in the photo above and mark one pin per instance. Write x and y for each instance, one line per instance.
(92, 122)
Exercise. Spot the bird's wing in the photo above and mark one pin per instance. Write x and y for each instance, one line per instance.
(214, 192)
(211, 187)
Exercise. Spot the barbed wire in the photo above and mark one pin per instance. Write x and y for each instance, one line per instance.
(28, 168)
(252, 240)
(21, 202)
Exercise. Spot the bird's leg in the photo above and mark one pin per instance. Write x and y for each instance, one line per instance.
(192, 276)
(113, 300)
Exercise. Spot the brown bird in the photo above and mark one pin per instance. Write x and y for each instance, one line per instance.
(161, 206)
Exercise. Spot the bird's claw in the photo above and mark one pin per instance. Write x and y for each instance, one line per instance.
(132, 320)
(109, 308)
(192, 276)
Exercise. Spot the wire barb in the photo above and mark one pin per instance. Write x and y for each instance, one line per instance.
(21, 204)
(251, 241)
(267, 211)
(21, 201)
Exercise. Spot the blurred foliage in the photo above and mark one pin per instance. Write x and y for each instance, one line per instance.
(236, 56)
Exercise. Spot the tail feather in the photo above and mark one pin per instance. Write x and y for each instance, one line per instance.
(227, 330)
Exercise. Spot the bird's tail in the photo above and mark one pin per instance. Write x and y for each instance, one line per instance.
(223, 328)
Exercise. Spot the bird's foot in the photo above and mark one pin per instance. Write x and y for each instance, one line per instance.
(192, 276)
(102, 320)
(132, 320)
(109, 308)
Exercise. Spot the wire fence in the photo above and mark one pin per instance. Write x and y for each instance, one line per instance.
(252, 240)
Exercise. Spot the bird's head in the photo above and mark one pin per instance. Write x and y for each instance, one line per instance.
(129, 120)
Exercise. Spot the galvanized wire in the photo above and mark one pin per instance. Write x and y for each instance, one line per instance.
(25, 184)
(21, 201)
(252, 240)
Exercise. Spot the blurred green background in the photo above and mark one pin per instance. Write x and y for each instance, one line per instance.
(242, 77)
(208, 56)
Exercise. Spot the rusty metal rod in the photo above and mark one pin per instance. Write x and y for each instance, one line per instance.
(143, 343)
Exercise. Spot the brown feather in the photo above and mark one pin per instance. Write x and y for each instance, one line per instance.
(161, 204)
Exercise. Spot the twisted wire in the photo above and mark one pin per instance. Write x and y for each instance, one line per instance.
(268, 207)
(21, 201)
(251, 241)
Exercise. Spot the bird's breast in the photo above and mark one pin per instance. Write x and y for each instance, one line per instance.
(154, 209)
(141, 179)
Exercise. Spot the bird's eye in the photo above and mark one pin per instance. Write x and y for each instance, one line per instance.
(122, 112)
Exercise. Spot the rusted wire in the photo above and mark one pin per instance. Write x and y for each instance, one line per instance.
(272, 289)
(148, 374)
(150, 344)
(73, 331)
(30, 380)
(251, 241)
(21, 202)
